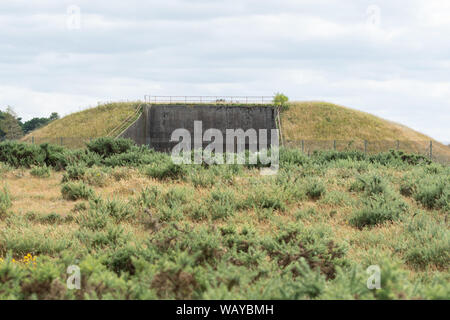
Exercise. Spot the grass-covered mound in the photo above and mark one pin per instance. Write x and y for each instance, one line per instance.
(320, 124)
(81, 126)
(140, 227)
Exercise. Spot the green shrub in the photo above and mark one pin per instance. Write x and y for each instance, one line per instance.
(290, 156)
(323, 157)
(393, 157)
(221, 203)
(120, 260)
(41, 172)
(5, 200)
(23, 240)
(315, 189)
(371, 185)
(264, 199)
(135, 157)
(94, 220)
(95, 177)
(51, 218)
(167, 170)
(281, 100)
(75, 191)
(54, 156)
(434, 193)
(117, 210)
(107, 146)
(121, 174)
(4, 168)
(74, 173)
(426, 242)
(407, 187)
(21, 154)
(336, 198)
(378, 209)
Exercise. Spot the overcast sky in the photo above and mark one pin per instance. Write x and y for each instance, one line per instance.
(389, 58)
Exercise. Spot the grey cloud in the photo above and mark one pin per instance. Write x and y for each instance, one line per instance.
(314, 49)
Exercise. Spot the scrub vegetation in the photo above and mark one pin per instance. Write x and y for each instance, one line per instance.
(140, 227)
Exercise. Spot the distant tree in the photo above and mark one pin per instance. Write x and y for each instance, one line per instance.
(2, 117)
(280, 100)
(37, 123)
(54, 116)
(10, 125)
(34, 124)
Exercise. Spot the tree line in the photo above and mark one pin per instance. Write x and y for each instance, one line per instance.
(12, 127)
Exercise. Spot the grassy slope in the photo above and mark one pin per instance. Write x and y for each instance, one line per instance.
(303, 120)
(327, 121)
(91, 123)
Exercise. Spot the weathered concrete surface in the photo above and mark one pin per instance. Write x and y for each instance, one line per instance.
(157, 122)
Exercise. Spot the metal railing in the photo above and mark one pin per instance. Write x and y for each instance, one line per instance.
(210, 99)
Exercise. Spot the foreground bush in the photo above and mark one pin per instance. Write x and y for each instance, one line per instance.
(315, 189)
(41, 172)
(434, 193)
(5, 200)
(76, 191)
(426, 242)
(377, 208)
(165, 170)
(107, 146)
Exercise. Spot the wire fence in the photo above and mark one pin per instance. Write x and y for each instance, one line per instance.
(435, 151)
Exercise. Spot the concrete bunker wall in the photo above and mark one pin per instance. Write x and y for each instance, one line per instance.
(157, 122)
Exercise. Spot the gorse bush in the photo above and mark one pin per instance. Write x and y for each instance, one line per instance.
(74, 172)
(167, 170)
(371, 185)
(394, 157)
(426, 242)
(221, 204)
(378, 209)
(41, 172)
(21, 154)
(76, 191)
(331, 155)
(434, 193)
(315, 189)
(107, 146)
(96, 177)
(5, 200)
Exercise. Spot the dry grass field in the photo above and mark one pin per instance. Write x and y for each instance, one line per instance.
(158, 231)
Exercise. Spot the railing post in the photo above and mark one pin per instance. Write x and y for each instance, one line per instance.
(303, 146)
(365, 146)
(334, 145)
(398, 144)
(32, 139)
(61, 140)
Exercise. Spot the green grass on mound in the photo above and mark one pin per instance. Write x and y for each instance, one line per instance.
(90, 123)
